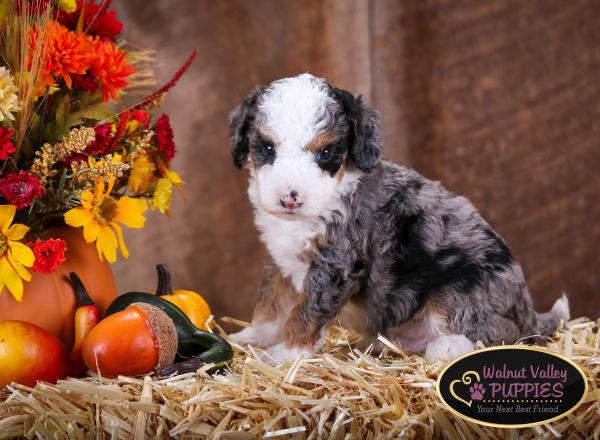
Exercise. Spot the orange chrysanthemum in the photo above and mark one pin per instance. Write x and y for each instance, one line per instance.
(65, 53)
(109, 67)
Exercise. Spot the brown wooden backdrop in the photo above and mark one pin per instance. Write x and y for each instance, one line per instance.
(500, 100)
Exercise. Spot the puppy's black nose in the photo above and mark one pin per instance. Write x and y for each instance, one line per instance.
(291, 200)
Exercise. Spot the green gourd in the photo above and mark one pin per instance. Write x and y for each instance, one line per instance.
(203, 347)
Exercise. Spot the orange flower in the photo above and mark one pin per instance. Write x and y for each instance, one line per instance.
(65, 53)
(109, 67)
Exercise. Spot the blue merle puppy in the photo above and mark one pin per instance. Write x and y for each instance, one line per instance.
(356, 238)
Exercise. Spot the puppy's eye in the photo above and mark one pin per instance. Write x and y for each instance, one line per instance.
(268, 149)
(325, 154)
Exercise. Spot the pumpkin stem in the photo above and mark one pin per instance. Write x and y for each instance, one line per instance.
(83, 298)
(163, 286)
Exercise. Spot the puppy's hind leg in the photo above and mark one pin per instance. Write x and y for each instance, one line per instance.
(448, 347)
(277, 298)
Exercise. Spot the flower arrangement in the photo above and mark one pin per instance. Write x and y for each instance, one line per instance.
(68, 154)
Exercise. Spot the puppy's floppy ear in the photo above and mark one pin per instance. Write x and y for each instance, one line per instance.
(365, 133)
(240, 120)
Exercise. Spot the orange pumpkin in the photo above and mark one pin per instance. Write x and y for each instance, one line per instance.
(49, 300)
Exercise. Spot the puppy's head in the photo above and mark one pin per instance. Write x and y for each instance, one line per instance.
(297, 136)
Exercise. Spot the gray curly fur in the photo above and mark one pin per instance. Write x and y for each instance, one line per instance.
(407, 241)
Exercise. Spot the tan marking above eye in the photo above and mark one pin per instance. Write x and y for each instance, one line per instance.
(265, 134)
(321, 140)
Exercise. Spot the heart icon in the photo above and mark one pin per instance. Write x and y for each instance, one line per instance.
(466, 379)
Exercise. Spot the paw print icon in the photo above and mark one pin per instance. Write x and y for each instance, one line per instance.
(477, 391)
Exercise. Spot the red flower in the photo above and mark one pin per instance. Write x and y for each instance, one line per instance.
(98, 19)
(85, 82)
(48, 254)
(101, 145)
(6, 146)
(77, 157)
(21, 189)
(164, 137)
(142, 117)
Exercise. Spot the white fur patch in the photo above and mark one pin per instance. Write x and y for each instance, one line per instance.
(282, 353)
(262, 335)
(448, 347)
(288, 237)
(415, 334)
(293, 108)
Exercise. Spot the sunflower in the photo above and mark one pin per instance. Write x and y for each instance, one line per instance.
(100, 215)
(14, 256)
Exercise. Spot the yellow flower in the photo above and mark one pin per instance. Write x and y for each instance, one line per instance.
(174, 178)
(132, 126)
(67, 5)
(9, 102)
(100, 215)
(141, 173)
(161, 200)
(14, 256)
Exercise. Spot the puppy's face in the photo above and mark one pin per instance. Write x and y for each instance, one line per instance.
(296, 137)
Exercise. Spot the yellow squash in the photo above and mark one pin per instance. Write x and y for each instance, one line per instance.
(191, 303)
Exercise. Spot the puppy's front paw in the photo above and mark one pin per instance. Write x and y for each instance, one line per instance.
(281, 353)
(448, 347)
(248, 336)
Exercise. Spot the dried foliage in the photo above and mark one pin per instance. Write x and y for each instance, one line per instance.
(344, 393)
(68, 130)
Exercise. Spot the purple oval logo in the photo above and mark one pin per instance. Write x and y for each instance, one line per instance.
(512, 386)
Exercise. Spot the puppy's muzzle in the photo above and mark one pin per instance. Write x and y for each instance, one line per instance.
(291, 200)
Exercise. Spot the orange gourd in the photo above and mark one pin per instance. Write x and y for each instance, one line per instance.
(49, 301)
(131, 342)
(190, 303)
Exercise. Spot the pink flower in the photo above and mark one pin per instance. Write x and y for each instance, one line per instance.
(102, 144)
(21, 189)
(164, 137)
(6, 146)
(48, 254)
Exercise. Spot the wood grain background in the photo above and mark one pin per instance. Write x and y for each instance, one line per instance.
(500, 100)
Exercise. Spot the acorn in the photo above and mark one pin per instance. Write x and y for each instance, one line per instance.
(135, 341)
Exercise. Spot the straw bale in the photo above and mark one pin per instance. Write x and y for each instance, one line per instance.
(341, 394)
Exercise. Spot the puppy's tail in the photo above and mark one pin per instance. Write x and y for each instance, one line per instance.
(548, 322)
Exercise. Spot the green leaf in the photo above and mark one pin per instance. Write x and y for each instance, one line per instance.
(62, 111)
(97, 112)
